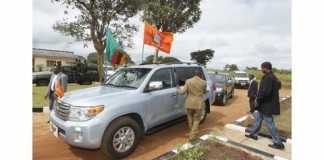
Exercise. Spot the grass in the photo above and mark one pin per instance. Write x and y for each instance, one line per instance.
(39, 92)
(285, 78)
(282, 122)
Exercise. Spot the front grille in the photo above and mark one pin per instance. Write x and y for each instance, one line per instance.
(62, 110)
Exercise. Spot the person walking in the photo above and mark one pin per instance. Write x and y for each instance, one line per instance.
(252, 92)
(267, 105)
(57, 77)
(194, 88)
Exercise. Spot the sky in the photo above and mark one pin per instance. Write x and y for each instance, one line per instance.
(242, 32)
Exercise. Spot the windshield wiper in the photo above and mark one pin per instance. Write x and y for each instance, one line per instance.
(126, 86)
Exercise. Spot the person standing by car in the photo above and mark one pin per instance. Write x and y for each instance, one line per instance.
(252, 92)
(267, 104)
(57, 76)
(194, 89)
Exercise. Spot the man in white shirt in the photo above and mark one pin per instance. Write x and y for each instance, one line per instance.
(57, 75)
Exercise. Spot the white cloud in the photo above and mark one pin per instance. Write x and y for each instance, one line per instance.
(245, 32)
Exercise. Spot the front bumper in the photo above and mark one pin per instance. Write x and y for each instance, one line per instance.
(87, 134)
(242, 84)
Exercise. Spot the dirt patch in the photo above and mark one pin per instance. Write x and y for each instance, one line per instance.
(218, 151)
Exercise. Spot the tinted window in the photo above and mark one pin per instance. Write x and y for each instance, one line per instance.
(184, 73)
(243, 75)
(163, 75)
(128, 77)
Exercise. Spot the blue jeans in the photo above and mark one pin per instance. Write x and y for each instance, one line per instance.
(270, 124)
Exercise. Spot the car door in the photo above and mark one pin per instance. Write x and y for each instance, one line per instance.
(161, 102)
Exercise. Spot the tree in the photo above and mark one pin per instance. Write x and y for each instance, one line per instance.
(202, 56)
(231, 67)
(94, 18)
(174, 16)
(149, 59)
(92, 58)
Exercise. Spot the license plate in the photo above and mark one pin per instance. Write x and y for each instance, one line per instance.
(243, 84)
(54, 129)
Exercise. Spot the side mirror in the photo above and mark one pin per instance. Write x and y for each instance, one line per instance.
(155, 85)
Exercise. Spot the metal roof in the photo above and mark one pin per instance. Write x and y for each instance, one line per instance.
(53, 53)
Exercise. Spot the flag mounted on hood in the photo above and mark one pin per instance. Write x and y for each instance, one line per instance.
(114, 52)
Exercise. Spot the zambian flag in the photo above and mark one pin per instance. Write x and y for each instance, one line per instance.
(114, 52)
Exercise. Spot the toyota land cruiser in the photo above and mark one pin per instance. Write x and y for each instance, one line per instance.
(115, 116)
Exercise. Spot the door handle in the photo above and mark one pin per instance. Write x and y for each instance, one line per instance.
(173, 95)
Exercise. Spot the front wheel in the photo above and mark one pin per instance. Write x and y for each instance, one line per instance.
(121, 138)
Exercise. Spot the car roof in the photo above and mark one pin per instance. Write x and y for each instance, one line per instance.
(153, 66)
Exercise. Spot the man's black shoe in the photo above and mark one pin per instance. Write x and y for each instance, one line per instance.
(277, 146)
(252, 136)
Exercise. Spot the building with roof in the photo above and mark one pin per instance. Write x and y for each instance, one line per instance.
(45, 59)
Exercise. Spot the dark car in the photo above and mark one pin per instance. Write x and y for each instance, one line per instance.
(223, 87)
(77, 73)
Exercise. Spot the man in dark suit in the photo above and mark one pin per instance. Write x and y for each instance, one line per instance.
(267, 104)
(252, 92)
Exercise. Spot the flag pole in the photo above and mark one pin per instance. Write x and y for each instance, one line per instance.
(143, 53)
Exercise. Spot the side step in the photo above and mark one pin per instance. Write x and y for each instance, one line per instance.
(165, 125)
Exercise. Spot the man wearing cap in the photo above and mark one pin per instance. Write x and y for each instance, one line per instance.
(267, 104)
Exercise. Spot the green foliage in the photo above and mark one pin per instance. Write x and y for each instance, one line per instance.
(194, 153)
(231, 67)
(172, 15)
(92, 58)
(160, 59)
(283, 75)
(202, 56)
(93, 19)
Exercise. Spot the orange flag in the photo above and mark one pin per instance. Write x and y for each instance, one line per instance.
(160, 40)
(59, 90)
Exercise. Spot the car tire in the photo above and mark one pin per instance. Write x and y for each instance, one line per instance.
(224, 100)
(232, 94)
(117, 127)
(203, 113)
(42, 83)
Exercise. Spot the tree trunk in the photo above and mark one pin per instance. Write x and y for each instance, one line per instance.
(100, 57)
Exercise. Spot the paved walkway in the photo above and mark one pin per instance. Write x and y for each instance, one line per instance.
(260, 146)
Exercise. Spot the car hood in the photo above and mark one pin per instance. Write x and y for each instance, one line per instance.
(94, 95)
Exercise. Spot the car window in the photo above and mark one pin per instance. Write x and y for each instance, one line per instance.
(163, 75)
(184, 73)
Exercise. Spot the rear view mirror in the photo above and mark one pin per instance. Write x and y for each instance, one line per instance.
(155, 85)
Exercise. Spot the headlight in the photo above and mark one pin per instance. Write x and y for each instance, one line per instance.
(219, 89)
(84, 113)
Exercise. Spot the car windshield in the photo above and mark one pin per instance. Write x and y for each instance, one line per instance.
(219, 78)
(241, 75)
(128, 77)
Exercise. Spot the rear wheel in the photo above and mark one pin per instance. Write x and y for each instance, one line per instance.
(121, 138)
(223, 100)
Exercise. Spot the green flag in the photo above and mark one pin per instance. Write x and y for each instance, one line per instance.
(111, 45)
